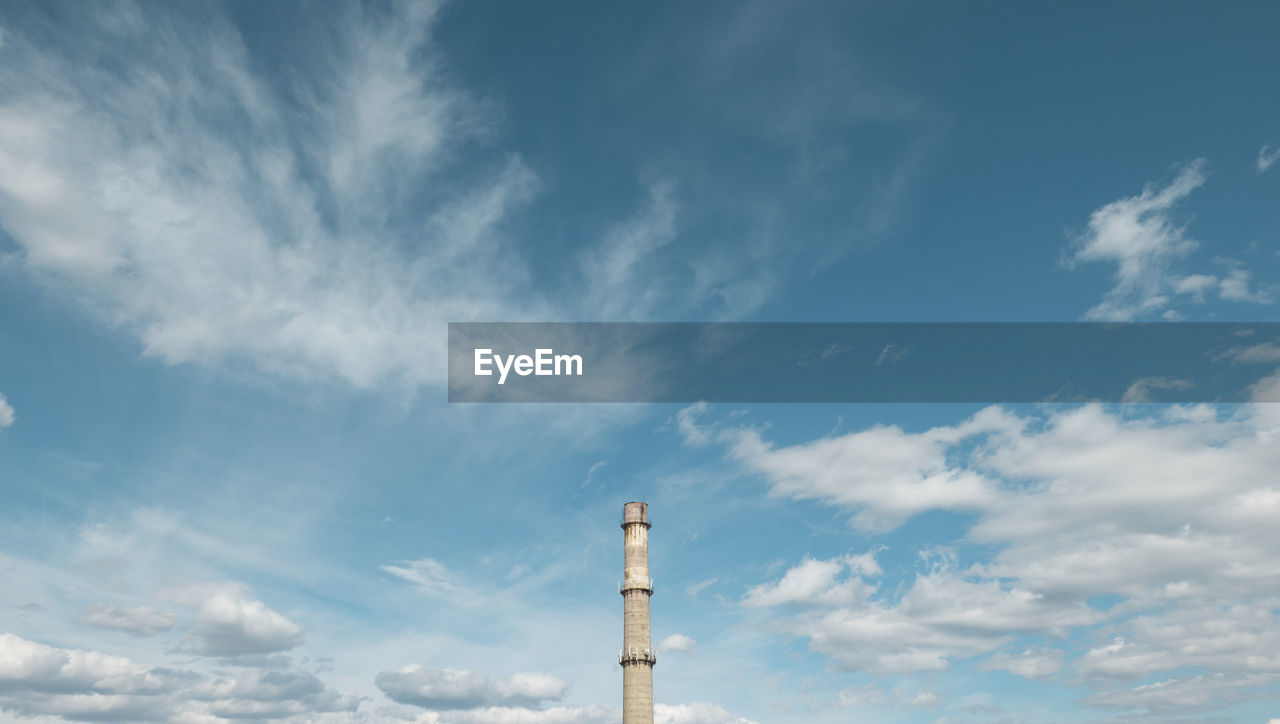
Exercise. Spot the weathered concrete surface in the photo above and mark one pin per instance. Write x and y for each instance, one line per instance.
(637, 656)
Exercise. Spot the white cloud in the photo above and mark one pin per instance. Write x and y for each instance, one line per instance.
(319, 230)
(1237, 286)
(40, 680)
(6, 413)
(1169, 697)
(678, 642)
(893, 353)
(941, 616)
(230, 622)
(1173, 515)
(46, 667)
(884, 474)
(693, 590)
(1141, 390)
(687, 424)
(1266, 390)
(865, 695)
(1139, 235)
(429, 575)
(518, 715)
(591, 472)
(814, 583)
(436, 688)
(1029, 664)
(620, 282)
(1262, 353)
(324, 222)
(1195, 285)
(141, 620)
(699, 713)
(271, 694)
(531, 687)
(1241, 638)
(449, 689)
(189, 201)
(1267, 156)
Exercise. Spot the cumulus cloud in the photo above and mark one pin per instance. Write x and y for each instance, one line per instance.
(1228, 639)
(1238, 286)
(531, 687)
(230, 622)
(1029, 664)
(461, 689)
(813, 583)
(271, 694)
(37, 680)
(699, 713)
(511, 715)
(1171, 515)
(883, 473)
(7, 415)
(678, 642)
(1197, 285)
(40, 680)
(941, 616)
(1162, 699)
(459, 696)
(48, 668)
(141, 621)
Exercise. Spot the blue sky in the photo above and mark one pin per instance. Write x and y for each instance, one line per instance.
(231, 237)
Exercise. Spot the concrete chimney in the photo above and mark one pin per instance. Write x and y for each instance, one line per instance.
(637, 656)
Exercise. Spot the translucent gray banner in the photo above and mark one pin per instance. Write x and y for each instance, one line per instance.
(863, 362)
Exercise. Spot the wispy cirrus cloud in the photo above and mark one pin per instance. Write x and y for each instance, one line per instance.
(1267, 156)
(321, 222)
(620, 279)
(325, 221)
(220, 214)
(427, 574)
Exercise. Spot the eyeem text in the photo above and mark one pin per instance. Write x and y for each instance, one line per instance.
(542, 362)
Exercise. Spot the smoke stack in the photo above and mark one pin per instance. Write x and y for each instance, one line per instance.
(637, 656)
